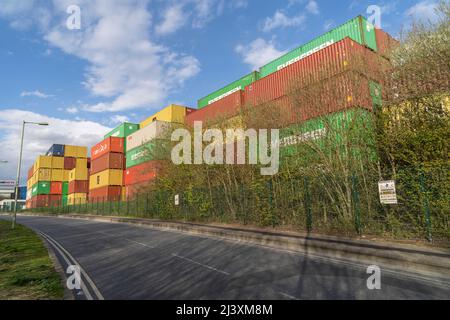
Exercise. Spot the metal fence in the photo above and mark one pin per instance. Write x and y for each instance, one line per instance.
(301, 203)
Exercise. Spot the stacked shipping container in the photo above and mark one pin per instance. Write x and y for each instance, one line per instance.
(48, 178)
(107, 165)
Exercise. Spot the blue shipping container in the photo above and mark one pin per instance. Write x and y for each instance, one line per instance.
(22, 193)
(56, 150)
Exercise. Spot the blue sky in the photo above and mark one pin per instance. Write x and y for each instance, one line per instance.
(132, 58)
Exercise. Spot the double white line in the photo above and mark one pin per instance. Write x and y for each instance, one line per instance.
(70, 260)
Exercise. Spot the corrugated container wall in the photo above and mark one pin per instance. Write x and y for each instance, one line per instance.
(123, 131)
(238, 85)
(111, 144)
(107, 193)
(173, 113)
(385, 42)
(143, 173)
(340, 57)
(223, 109)
(108, 161)
(155, 130)
(358, 29)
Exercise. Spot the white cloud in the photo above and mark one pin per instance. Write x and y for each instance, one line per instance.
(117, 119)
(280, 20)
(39, 139)
(126, 69)
(174, 18)
(313, 7)
(259, 52)
(424, 10)
(36, 93)
(72, 110)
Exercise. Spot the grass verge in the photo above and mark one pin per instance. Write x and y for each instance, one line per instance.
(26, 270)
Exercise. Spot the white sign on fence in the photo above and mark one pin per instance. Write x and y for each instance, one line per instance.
(177, 199)
(388, 194)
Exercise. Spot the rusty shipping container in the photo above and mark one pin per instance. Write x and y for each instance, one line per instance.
(340, 57)
(111, 144)
(104, 194)
(78, 186)
(345, 91)
(145, 172)
(70, 163)
(385, 42)
(108, 161)
(225, 108)
(134, 190)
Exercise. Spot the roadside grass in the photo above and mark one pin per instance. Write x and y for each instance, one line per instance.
(26, 270)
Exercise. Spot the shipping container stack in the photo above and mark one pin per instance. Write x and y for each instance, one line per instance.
(106, 183)
(48, 178)
(349, 60)
(148, 148)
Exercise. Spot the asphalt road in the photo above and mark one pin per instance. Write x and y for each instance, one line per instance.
(121, 261)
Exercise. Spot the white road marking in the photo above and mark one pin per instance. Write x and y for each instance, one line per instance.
(83, 287)
(288, 296)
(200, 264)
(89, 280)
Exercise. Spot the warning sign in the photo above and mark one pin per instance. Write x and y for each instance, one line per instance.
(388, 194)
(177, 199)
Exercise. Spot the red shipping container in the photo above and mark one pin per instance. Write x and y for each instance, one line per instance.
(225, 108)
(346, 91)
(340, 57)
(89, 163)
(111, 144)
(103, 194)
(385, 42)
(134, 190)
(78, 186)
(70, 163)
(108, 161)
(42, 201)
(55, 200)
(145, 172)
(56, 188)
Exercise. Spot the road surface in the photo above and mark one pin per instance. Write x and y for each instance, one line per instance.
(121, 261)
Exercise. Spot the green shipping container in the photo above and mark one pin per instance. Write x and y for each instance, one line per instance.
(65, 188)
(229, 89)
(358, 29)
(65, 200)
(123, 131)
(154, 150)
(40, 188)
(327, 132)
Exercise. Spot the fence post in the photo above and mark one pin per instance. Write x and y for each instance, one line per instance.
(355, 203)
(308, 209)
(137, 204)
(270, 185)
(146, 205)
(426, 206)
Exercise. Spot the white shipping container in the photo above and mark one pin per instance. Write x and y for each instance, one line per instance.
(29, 195)
(156, 130)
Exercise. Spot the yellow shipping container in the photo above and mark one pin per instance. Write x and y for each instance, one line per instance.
(29, 184)
(66, 175)
(43, 162)
(57, 163)
(70, 151)
(173, 113)
(78, 174)
(81, 152)
(76, 199)
(106, 178)
(42, 175)
(81, 163)
(57, 175)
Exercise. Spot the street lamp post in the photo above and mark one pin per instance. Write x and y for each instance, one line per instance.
(19, 166)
